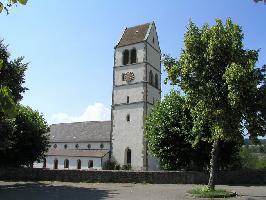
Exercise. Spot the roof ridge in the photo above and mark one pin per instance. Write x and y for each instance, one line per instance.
(81, 122)
(139, 25)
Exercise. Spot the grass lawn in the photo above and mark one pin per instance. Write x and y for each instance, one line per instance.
(206, 193)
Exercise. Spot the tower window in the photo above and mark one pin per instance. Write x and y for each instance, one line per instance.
(78, 164)
(153, 40)
(89, 146)
(65, 146)
(151, 78)
(128, 118)
(128, 156)
(127, 99)
(55, 146)
(133, 56)
(101, 145)
(123, 76)
(125, 57)
(55, 164)
(156, 81)
(77, 146)
(66, 164)
(90, 164)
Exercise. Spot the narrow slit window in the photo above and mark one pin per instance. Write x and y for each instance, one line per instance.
(128, 118)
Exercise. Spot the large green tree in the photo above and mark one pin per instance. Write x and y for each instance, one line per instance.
(12, 73)
(31, 139)
(222, 84)
(22, 130)
(168, 129)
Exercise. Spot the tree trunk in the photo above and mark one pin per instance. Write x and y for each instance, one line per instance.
(213, 165)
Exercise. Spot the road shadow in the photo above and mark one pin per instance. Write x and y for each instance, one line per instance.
(41, 191)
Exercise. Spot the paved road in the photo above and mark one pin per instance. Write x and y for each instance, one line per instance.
(99, 191)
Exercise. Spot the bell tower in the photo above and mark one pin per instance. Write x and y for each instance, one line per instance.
(136, 87)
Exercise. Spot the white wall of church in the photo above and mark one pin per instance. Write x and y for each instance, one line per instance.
(73, 162)
(97, 162)
(153, 57)
(138, 70)
(135, 93)
(128, 134)
(153, 94)
(140, 53)
(82, 145)
(152, 35)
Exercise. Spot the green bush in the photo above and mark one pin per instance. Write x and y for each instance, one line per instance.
(126, 167)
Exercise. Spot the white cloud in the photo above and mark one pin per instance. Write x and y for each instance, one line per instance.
(95, 112)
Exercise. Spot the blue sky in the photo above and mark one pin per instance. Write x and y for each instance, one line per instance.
(70, 45)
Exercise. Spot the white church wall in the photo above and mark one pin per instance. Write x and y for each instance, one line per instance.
(153, 163)
(128, 134)
(135, 93)
(97, 162)
(152, 35)
(153, 94)
(82, 145)
(153, 57)
(138, 70)
(140, 53)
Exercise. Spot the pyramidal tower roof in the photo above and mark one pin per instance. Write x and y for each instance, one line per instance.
(134, 34)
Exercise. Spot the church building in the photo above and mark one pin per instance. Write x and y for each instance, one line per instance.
(136, 87)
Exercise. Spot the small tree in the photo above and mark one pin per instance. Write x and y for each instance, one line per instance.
(222, 85)
(168, 130)
(31, 139)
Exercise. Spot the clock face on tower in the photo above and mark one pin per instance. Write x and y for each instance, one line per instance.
(129, 76)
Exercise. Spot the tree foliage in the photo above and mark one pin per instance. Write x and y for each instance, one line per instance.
(22, 130)
(31, 140)
(222, 85)
(168, 129)
(5, 5)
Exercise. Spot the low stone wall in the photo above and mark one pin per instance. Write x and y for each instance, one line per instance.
(253, 177)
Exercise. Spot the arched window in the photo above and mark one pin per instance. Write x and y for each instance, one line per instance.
(55, 164)
(66, 164)
(156, 81)
(125, 57)
(151, 78)
(65, 146)
(128, 117)
(77, 146)
(55, 146)
(101, 145)
(44, 163)
(127, 99)
(78, 164)
(89, 146)
(128, 156)
(90, 164)
(133, 56)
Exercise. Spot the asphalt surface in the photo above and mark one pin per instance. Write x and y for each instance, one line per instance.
(99, 191)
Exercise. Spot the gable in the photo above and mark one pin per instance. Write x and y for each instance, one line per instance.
(152, 38)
